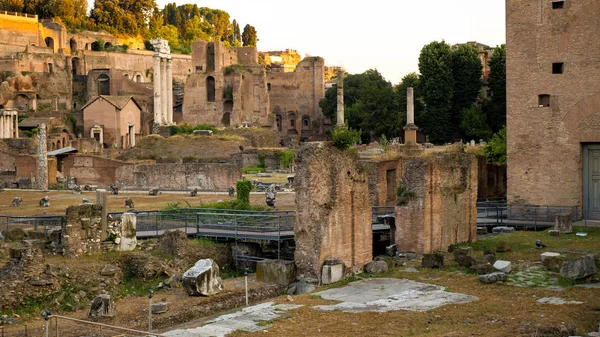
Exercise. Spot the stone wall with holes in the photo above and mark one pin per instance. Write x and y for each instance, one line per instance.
(81, 233)
(333, 213)
(544, 138)
(440, 204)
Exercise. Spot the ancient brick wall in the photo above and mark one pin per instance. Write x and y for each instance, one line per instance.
(333, 214)
(19, 30)
(81, 232)
(544, 141)
(492, 180)
(92, 170)
(443, 209)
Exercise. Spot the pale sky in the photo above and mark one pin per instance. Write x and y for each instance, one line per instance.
(383, 34)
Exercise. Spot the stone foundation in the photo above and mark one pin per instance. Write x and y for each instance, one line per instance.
(333, 214)
(82, 229)
(442, 209)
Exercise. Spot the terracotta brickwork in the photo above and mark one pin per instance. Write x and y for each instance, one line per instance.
(333, 213)
(545, 137)
(443, 209)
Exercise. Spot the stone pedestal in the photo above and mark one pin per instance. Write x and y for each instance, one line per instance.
(564, 223)
(128, 232)
(276, 271)
(410, 134)
(332, 273)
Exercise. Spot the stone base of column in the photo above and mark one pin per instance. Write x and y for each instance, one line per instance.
(410, 134)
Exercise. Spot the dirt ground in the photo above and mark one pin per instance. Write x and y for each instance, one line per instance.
(60, 200)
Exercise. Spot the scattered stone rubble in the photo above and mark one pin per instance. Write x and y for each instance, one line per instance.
(203, 279)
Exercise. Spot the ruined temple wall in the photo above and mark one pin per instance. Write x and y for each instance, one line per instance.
(297, 95)
(544, 143)
(492, 180)
(19, 30)
(382, 186)
(333, 214)
(92, 170)
(443, 210)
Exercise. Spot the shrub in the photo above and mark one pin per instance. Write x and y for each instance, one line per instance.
(404, 194)
(243, 188)
(261, 160)
(495, 151)
(249, 169)
(286, 158)
(343, 137)
(185, 128)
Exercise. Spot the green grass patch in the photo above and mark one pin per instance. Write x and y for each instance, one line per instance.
(135, 287)
(253, 169)
(185, 128)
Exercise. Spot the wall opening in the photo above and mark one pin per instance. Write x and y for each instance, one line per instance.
(268, 86)
(75, 66)
(130, 135)
(390, 176)
(107, 45)
(95, 46)
(558, 4)
(198, 69)
(103, 84)
(210, 57)
(292, 119)
(306, 123)
(58, 145)
(226, 120)
(210, 89)
(138, 78)
(558, 68)
(126, 76)
(73, 45)
(543, 100)
(50, 68)
(278, 121)
(49, 42)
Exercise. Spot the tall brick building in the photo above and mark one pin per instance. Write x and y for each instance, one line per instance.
(553, 103)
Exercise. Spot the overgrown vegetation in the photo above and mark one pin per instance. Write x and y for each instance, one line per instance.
(253, 169)
(404, 194)
(243, 188)
(286, 158)
(185, 128)
(31, 133)
(261, 160)
(344, 137)
(177, 207)
(495, 150)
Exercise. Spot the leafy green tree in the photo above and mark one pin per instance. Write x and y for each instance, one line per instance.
(495, 150)
(473, 124)
(496, 112)
(466, 73)
(435, 66)
(249, 37)
(11, 5)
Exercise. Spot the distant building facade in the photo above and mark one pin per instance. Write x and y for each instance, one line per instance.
(113, 121)
(553, 103)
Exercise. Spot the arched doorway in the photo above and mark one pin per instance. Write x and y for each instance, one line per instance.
(103, 84)
(126, 76)
(210, 89)
(73, 45)
(95, 46)
(139, 78)
(278, 121)
(306, 123)
(107, 45)
(226, 120)
(58, 145)
(49, 42)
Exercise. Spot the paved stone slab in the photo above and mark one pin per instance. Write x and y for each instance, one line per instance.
(545, 255)
(387, 294)
(246, 319)
(556, 301)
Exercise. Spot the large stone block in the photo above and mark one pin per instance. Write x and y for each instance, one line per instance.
(564, 223)
(276, 271)
(203, 279)
(376, 267)
(128, 239)
(463, 256)
(332, 273)
(579, 268)
(102, 306)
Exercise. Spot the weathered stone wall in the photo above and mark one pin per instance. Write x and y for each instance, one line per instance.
(333, 214)
(208, 176)
(492, 180)
(443, 210)
(82, 229)
(544, 143)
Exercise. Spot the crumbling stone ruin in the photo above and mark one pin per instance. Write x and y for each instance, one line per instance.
(114, 189)
(194, 192)
(270, 195)
(102, 306)
(81, 232)
(45, 202)
(333, 213)
(129, 203)
(154, 191)
(17, 201)
(203, 279)
(231, 191)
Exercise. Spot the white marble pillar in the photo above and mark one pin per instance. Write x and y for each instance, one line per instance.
(9, 125)
(169, 91)
(340, 98)
(157, 92)
(410, 106)
(2, 135)
(163, 87)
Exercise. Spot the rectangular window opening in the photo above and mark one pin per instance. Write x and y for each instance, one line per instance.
(198, 68)
(558, 68)
(268, 86)
(558, 4)
(543, 100)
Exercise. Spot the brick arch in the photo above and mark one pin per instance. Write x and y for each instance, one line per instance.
(588, 11)
(577, 115)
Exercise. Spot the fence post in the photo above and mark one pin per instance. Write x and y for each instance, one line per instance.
(186, 223)
(56, 326)
(279, 238)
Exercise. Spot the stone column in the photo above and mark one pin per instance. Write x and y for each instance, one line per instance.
(157, 94)
(163, 90)
(169, 91)
(410, 130)
(7, 124)
(128, 239)
(340, 98)
(2, 135)
(42, 152)
(102, 200)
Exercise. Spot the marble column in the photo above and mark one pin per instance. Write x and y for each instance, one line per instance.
(42, 152)
(2, 135)
(169, 91)
(410, 130)
(340, 98)
(163, 87)
(157, 92)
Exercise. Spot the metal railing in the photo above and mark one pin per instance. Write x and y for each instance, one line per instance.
(11, 328)
(45, 223)
(490, 214)
(61, 326)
